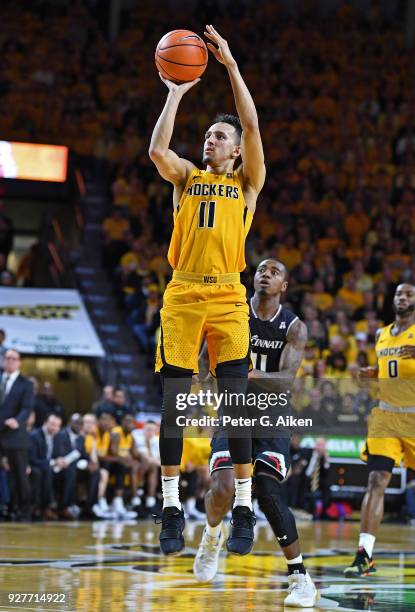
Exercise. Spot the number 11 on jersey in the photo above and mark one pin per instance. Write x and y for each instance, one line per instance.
(207, 214)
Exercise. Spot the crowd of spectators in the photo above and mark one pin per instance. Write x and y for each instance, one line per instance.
(59, 465)
(336, 104)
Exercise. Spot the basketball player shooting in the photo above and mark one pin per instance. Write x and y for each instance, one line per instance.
(213, 211)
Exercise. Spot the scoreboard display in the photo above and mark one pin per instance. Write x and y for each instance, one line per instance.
(33, 162)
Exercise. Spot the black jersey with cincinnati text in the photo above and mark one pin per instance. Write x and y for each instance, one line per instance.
(268, 338)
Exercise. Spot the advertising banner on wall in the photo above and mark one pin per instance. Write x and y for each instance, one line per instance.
(338, 446)
(48, 322)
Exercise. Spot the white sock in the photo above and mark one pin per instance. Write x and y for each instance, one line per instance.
(103, 504)
(190, 505)
(214, 532)
(150, 501)
(367, 540)
(296, 560)
(243, 493)
(170, 490)
(118, 503)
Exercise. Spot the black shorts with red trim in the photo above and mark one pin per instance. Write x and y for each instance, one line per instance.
(274, 452)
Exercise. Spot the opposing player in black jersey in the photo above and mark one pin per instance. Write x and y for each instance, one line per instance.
(278, 340)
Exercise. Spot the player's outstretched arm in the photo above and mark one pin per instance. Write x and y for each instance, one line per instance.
(252, 153)
(291, 356)
(170, 166)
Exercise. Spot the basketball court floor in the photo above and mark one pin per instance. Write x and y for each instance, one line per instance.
(110, 566)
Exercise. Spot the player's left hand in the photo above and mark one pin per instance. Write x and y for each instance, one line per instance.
(222, 51)
(407, 351)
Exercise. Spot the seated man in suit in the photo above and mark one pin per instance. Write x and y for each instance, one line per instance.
(40, 456)
(16, 402)
(70, 445)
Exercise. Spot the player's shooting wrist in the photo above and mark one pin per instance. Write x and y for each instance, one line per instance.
(175, 95)
(232, 66)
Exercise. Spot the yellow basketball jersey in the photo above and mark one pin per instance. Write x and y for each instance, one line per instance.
(103, 443)
(396, 375)
(125, 442)
(211, 223)
(196, 451)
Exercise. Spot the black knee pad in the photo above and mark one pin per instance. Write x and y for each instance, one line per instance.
(232, 378)
(379, 463)
(173, 372)
(174, 381)
(271, 501)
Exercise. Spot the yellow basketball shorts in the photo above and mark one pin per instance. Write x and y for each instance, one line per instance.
(191, 311)
(392, 435)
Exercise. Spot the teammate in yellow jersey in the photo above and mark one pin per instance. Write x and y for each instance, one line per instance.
(213, 211)
(391, 431)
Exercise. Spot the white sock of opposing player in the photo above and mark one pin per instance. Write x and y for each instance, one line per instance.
(243, 492)
(296, 560)
(367, 540)
(170, 490)
(214, 532)
(296, 565)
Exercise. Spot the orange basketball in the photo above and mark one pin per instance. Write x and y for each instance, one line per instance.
(181, 56)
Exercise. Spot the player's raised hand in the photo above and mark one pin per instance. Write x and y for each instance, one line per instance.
(179, 89)
(222, 51)
(407, 351)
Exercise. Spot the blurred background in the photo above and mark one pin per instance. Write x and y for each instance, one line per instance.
(87, 215)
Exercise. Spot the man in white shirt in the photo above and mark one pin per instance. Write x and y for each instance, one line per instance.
(147, 446)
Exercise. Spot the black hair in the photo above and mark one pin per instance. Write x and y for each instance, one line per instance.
(107, 412)
(284, 267)
(231, 120)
